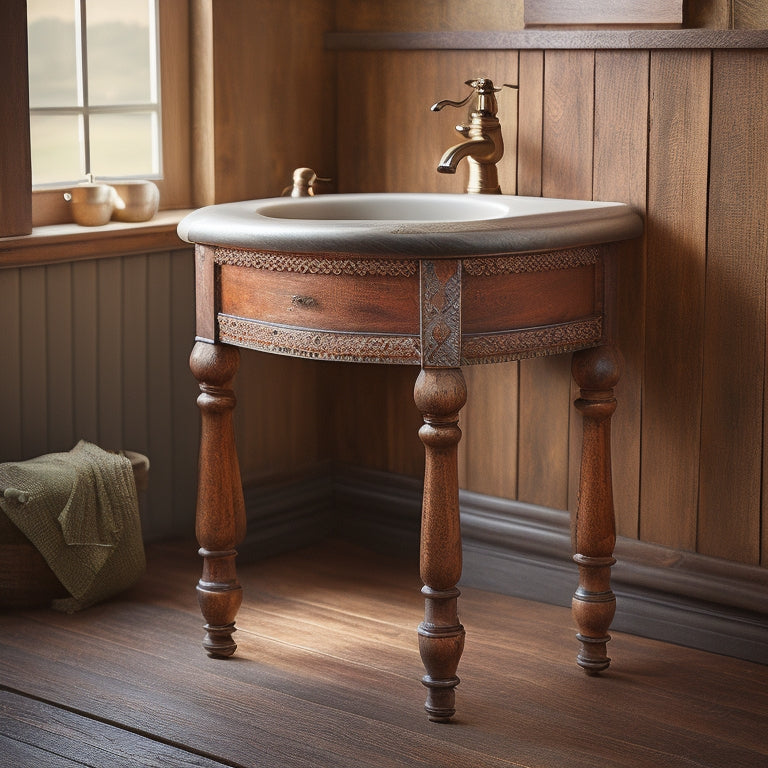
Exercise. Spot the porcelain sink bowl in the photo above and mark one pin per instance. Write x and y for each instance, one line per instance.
(411, 224)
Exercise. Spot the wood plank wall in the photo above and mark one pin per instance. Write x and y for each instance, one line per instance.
(628, 125)
(679, 134)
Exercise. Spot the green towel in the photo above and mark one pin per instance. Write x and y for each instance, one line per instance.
(81, 511)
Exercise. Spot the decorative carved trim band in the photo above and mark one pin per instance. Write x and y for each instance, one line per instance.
(314, 265)
(406, 350)
(531, 262)
(321, 345)
(441, 313)
(532, 342)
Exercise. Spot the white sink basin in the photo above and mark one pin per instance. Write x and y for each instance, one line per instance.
(411, 224)
(386, 207)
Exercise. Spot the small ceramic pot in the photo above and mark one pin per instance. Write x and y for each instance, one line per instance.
(92, 204)
(140, 200)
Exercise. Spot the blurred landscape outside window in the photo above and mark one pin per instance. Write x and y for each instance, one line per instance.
(93, 90)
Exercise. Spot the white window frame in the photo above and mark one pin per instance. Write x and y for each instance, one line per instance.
(84, 110)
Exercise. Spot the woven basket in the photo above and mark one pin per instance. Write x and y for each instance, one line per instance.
(25, 578)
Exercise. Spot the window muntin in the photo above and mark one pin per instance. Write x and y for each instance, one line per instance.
(93, 64)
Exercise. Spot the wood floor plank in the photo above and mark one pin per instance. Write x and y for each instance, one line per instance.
(327, 674)
(19, 753)
(36, 733)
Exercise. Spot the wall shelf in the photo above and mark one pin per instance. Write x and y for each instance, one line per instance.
(549, 39)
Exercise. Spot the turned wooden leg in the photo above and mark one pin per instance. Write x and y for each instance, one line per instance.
(596, 371)
(220, 508)
(439, 394)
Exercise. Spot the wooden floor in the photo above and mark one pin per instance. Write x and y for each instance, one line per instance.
(327, 676)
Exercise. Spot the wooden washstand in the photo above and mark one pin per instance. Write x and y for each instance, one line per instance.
(435, 311)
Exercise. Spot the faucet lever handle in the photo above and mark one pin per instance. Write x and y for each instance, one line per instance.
(484, 89)
(448, 103)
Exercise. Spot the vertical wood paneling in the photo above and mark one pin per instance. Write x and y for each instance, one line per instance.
(735, 323)
(676, 244)
(109, 352)
(490, 429)
(134, 353)
(273, 103)
(33, 363)
(689, 442)
(98, 350)
(405, 452)
(160, 396)
(545, 383)
(531, 115)
(10, 380)
(568, 124)
(620, 159)
(60, 375)
(185, 415)
(358, 398)
(278, 415)
(382, 147)
(383, 142)
(85, 362)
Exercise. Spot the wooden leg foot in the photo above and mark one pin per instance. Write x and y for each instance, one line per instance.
(439, 395)
(220, 522)
(596, 371)
(219, 595)
(441, 642)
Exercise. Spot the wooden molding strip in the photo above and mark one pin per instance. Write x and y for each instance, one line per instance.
(542, 39)
(70, 242)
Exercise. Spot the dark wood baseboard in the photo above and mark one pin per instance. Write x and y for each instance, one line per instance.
(287, 514)
(525, 550)
(522, 550)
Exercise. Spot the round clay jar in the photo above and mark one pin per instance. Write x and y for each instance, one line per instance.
(140, 198)
(92, 203)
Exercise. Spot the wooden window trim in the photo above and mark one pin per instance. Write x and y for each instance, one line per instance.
(70, 242)
(49, 206)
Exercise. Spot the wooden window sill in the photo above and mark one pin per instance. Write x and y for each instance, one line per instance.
(71, 242)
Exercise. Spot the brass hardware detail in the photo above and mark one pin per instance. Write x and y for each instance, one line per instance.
(484, 146)
(303, 183)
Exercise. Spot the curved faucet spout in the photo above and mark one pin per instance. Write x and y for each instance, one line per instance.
(484, 146)
(480, 149)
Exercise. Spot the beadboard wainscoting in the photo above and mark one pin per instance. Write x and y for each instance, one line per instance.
(98, 350)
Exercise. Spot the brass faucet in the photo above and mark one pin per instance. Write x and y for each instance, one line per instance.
(303, 183)
(484, 145)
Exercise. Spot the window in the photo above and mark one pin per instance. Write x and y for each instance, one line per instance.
(94, 90)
